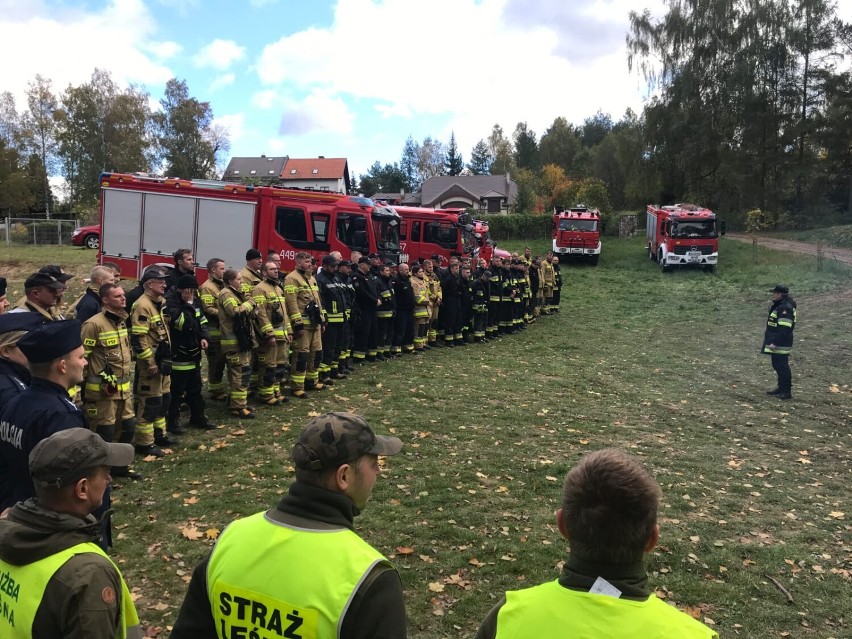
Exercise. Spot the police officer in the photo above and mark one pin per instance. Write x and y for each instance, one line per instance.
(307, 317)
(48, 546)
(778, 339)
(273, 334)
(55, 354)
(335, 584)
(367, 300)
(108, 399)
(14, 375)
(189, 339)
(208, 293)
(151, 343)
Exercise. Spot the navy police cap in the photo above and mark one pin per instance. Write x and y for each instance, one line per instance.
(51, 341)
(20, 321)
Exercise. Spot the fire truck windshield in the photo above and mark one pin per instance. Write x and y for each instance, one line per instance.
(386, 230)
(577, 224)
(469, 241)
(694, 228)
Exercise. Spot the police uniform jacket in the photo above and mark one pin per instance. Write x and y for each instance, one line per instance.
(41, 410)
(106, 346)
(83, 597)
(14, 380)
(377, 608)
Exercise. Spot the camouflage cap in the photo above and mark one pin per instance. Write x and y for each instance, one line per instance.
(330, 440)
(66, 456)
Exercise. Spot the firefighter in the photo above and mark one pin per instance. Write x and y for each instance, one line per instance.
(251, 277)
(208, 293)
(367, 301)
(435, 301)
(307, 318)
(520, 299)
(557, 284)
(534, 274)
(42, 294)
(151, 343)
(332, 295)
(238, 341)
(451, 304)
(184, 265)
(422, 306)
(480, 293)
(347, 291)
(495, 297)
(386, 313)
(465, 283)
(190, 338)
(274, 333)
(548, 281)
(778, 339)
(109, 398)
(403, 336)
(507, 296)
(89, 303)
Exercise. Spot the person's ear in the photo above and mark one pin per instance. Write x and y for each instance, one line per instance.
(81, 488)
(343, 476)
(653, 538)
(560, 524)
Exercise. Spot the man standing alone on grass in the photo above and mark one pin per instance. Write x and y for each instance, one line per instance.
(778, 339)
(299, 569)
(609, 517)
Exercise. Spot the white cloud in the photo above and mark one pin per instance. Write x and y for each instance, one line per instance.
(164, 50)
(58, 43)
(235, 125)
(222, 81)
(219, 54)
(318, 112)
(264, 99)
(262, 3)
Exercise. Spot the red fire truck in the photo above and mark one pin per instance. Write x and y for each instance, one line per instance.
(683, 235)
(425, 232)
(577, 232)
(145, 219)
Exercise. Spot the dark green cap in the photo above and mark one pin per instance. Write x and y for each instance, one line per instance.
(64, 457)
(331, 440)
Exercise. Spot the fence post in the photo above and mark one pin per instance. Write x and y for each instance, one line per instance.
(59, 232)
(35, 235)
(8, 231)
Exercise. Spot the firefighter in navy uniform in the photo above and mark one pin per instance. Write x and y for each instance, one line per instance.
(466, 284)
(403, 336)
(367, 301)
(347, 290)
(190, 338)
(333, 302)
(386, 313)
(495, 295)
(451, 303)
(14, 375)
(480, 292)
(778, 339)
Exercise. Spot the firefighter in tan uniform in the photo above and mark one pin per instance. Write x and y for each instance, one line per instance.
(149, 338)
(422, 306)
(274, 328)
(548, 283)
(304, 307)
(108, 398)
(435, 300)
(251, 277)
(236, 313)
(208, 293)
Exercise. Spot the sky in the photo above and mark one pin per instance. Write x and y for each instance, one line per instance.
(342, 78)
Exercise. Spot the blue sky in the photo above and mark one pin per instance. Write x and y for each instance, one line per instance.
(341, 78)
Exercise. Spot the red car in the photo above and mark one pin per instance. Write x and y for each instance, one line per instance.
(88, 236)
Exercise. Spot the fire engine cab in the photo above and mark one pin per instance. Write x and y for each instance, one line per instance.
(577, 232)
(146, 219)
(683, 235)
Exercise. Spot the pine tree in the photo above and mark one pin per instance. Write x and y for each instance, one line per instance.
(453, 162)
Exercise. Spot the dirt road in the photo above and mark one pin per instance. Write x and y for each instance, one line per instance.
(829, 253)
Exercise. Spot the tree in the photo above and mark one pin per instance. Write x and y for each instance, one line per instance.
(183, 132)
(408, 164)
(382, 179)
(527, 191)
(480, 159)
(430, 161)
(596, 128)
(560, 145)
(454, 163)
(38, 129)
(526, 147)
(500, 149)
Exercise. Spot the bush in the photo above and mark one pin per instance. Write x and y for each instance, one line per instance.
(518, 226)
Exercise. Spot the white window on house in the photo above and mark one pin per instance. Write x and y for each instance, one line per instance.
(236, 171)
(252, 171)
(269, 159)
(271, 172)
(292, 171)
(315, 171)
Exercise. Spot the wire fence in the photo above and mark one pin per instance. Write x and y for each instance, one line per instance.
(22, 230)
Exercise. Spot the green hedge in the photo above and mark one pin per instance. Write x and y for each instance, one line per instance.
(518, 226)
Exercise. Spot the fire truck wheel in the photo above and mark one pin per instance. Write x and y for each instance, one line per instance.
(710, 268)
(651, 255)
(663, 266)
(593, 260)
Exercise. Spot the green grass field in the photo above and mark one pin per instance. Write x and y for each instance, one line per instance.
(664, 366)
(839, 236)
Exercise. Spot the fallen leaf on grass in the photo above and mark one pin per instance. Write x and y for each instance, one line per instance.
(473, 561)
(212, 533)
(191, 500)
(836, 514)
(404, 550)
(436, 586)
(150, 458)
(191, 532)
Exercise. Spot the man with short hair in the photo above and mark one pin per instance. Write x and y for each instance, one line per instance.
(69, 588)
(480, 291)
(403, 335)
(307, 318)
(108, 398)
(54, 351)
(184, 265)
(42, 294)
(89, 303)
(367, 301)
(609, 518)
(274, 328)
(332, 295)
(151, 343)
(208, 293)
(303, 558)
(778, 339)
(343, 277)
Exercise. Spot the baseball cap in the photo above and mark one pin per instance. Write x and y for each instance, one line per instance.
(330, 440)
(152, 274)
(56, 272)
(37, 280)
(51, 341)
(780, 288)
(65, 457)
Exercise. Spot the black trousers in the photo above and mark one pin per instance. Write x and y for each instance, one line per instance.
(781, 364)
(332, 345)
(186, 387)
(403, 333)
(366, 335)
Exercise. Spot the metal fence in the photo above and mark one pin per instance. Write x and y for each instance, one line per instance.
(21, 230)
